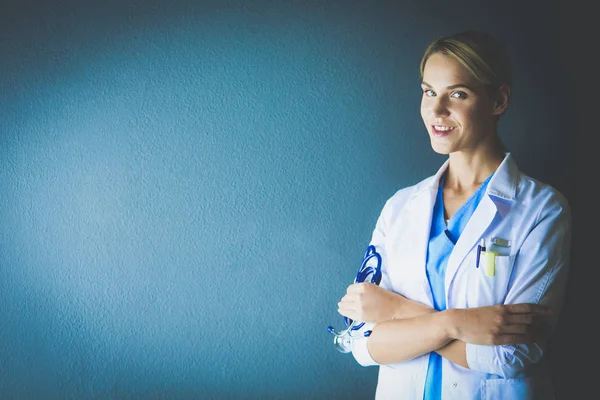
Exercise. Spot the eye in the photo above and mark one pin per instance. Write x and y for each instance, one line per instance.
(428, 92)
(459, 95)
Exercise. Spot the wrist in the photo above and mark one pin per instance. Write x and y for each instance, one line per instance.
(398, 310)
(450, 322)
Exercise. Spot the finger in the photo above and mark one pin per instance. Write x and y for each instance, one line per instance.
(357, 287)
(515, 329)
(533, 331)
(528, 319)
(514, 339)
(348, 312)
(350, 298)
(347, 307)
(522, 319)
(525, 308)
(347, 315)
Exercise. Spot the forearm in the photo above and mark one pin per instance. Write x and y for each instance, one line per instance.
(408, 329)
(408, 308)
(400, 340)
(454, 351)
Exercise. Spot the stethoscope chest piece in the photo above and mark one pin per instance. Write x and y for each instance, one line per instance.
(343, 343)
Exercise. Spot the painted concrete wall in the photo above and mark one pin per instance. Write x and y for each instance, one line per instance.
(187, 188)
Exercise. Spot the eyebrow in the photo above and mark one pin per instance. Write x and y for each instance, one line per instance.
(459, 85)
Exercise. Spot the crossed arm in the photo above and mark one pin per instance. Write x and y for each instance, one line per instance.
(406, 329)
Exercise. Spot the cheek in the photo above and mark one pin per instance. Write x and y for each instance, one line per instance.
(424, 109)
(424, 115)
(476, 116)
(468, 115)
(481, 110)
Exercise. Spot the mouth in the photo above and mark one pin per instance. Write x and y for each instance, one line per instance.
(442, 130)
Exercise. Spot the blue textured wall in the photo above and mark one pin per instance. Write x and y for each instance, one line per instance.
(187, 188)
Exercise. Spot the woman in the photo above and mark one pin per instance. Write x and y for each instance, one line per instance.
(474, 258)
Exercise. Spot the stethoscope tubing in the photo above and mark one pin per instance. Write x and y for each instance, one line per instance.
(363, 273)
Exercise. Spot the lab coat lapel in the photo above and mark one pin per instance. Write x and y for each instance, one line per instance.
(419, 221)
(501, 186)
(416, 238)
(415, 242)
(478, 223)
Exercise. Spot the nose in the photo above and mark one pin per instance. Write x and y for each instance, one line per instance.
(439, 106)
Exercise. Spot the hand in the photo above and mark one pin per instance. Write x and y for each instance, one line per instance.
(501, 324)
(367, 302)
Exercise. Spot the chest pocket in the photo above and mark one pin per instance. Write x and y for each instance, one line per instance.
(484, 290)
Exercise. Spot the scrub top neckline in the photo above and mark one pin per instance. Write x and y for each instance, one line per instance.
(465, 205)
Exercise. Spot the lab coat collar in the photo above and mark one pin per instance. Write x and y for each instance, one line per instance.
(431, 183)
(503, 184)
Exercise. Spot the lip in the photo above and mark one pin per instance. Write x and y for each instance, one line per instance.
(435, 132)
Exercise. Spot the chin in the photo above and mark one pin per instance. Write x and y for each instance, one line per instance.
(440, 148)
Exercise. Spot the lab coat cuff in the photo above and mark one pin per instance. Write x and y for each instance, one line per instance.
(361, 352)
(478, 356)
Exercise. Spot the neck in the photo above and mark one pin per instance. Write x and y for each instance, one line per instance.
(470, 170)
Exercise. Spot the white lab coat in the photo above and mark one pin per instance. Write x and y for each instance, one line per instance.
(536, 219)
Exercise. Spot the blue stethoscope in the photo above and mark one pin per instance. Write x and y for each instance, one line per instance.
(369, 271)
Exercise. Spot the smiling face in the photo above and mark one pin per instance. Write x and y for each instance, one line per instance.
(459, 112)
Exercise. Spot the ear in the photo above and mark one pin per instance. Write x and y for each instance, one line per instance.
(502, 97)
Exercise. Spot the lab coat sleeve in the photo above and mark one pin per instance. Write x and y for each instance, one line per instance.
(539, 276)
(378, 239)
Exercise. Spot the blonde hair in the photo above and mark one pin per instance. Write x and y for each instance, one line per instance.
(482, 55)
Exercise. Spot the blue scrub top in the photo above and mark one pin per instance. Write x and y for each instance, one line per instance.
(442, 238)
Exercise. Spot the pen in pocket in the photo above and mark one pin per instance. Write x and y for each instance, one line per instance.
(480, 248)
